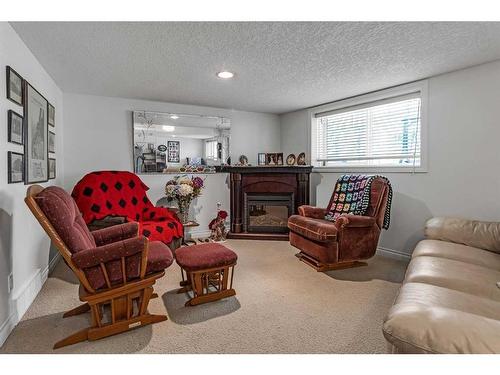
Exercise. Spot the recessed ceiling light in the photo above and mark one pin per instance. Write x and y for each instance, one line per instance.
(225, 74)
(174, 117)
(168, 128)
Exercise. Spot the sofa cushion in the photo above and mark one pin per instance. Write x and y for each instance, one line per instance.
(204, 256)
(62, 212)
(480, 234)
(456, 275)
(430, 319)
(420, 328)
(432, 295)
(463, 253)
(315, 229)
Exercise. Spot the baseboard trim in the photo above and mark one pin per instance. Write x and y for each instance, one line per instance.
(23, 300)
(391, 253)
(7, 327)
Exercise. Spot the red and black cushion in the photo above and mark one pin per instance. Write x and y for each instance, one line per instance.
(122, 193)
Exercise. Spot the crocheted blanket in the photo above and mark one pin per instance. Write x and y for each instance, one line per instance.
(352, 196)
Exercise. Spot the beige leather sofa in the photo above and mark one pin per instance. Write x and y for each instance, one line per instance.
(450, 300)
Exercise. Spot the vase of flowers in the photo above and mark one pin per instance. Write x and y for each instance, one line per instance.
(183, 190)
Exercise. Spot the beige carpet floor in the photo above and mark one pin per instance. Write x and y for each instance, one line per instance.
(281, 306)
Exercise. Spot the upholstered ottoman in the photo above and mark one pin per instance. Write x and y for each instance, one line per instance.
(209, 271)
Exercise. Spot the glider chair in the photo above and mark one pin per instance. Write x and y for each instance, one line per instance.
(347, 231)
(116, 267)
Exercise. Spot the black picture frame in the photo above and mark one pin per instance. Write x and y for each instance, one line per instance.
(51, 115)
(52, 176)
(28, 179)
(9, 73)
(10, 159)
(11, 115)
(49, 143)
(174, 151)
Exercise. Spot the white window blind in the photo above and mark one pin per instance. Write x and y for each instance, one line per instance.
(375, 134)
(211, 149)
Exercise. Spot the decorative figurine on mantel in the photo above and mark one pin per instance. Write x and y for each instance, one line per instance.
(183, 190)
(218, 225)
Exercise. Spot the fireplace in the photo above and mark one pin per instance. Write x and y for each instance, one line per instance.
(267, 213)
(263, 198)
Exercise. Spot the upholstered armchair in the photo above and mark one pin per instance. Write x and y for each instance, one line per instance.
(326, 244)
(116, 266)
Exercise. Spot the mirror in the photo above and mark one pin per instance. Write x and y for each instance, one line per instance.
(173, 143)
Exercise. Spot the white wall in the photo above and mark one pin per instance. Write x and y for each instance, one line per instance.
(463, 177)
(98, 135)
(24, 247)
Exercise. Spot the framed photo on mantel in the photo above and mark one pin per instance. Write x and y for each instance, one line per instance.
(36, 153)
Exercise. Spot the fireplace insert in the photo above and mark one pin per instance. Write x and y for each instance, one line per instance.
(267, 212)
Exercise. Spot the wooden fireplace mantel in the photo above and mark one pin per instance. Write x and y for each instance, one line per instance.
(292, 180)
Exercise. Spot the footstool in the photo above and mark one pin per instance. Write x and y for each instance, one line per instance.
(209, 271)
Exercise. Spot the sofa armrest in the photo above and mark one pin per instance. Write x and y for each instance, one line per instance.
(313, 212)
(481, 234)
(114, 251)
(354, 221)
(115, 233)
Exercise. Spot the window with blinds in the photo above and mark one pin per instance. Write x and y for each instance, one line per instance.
(384, 133)
(211, 149)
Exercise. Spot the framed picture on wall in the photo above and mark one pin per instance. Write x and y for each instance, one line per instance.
(15, 167)
(261, 158)
(36, 150)
(174, 151)
(52, 141)
(15, 127)
(51, 115)
(15, 90)
(52, 168)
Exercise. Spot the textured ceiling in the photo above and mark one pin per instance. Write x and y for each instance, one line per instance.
(279, 66)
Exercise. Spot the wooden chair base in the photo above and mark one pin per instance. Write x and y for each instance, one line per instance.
(324, 267)
(125, 305)
(208, 285)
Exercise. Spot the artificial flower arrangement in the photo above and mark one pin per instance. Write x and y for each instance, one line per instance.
(183, 189)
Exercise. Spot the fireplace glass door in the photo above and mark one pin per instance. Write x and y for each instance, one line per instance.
(267, 213)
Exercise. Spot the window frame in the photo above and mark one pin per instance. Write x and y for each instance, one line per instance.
(420, 86)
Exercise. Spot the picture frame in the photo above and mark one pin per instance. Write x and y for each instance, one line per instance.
(174, 151)
(15, 167)
(36, 133)
(274, 158)
(52, 142)
(15, 128)
(301, 159)
(15, 86)
(51, 115)
(52, 168)
(261, 158)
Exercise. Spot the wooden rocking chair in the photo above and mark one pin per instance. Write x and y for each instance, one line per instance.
(116, 268)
